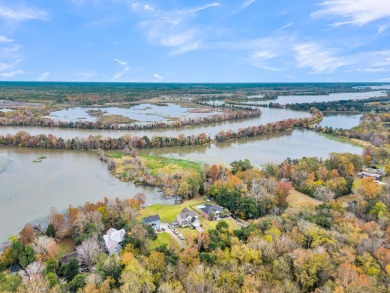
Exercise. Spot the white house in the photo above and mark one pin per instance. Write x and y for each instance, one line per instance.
(113, 239)
(187, 217)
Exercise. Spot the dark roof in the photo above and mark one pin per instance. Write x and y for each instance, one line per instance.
(66, 258)
(15, 268)
(150, 219)
(209, 209)
(185, 210)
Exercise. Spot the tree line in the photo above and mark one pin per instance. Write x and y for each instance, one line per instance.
(23, 139)
(28, 117)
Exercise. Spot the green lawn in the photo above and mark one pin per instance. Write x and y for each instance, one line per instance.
(65, 247)
(162, 238)
(167, 212)
(155, 162)
(212, 224)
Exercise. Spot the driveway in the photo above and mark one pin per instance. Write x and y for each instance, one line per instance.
(178, 240)
(200, 229)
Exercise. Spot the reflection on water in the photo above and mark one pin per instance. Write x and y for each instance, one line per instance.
(142, 113)
(344, 121)
(263, 149)
(324, 98)
(28, 190)
(269, 115)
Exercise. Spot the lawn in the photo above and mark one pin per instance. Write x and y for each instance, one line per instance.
(297, 199)
(212, 224)
(162, 238)
(65, 247)
(167, 212)
(156, 162)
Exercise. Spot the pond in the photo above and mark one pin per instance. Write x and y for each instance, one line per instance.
(28, 190)
(143, 113)
(263, 149)
(269, 115)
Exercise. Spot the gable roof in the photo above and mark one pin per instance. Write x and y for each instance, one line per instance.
(150, 219)
(185, 213)
(209, 209)
(113, 238)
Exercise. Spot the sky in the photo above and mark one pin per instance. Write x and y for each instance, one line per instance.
(195, 40)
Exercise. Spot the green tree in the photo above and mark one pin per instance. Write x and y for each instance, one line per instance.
(241, 165)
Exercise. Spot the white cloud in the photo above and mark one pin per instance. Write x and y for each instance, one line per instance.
(265, 54)
(5, 40)
(44, 76)
(21, 13)
(285, 26)
(246, 4)
(355, 12)
(319, 59)
(158, 77)
(5, 66)
(385, 79)
(12, 73)
(172, 28)
(125, 69)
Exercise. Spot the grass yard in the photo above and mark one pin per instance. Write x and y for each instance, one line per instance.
(162, 238)
(156, 163)
(297, 199)
(167, 212)
(188, 232)
(212, 224)
(65, 247)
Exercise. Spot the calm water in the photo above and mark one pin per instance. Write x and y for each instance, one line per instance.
(143, 113)
(28, 190)
(344, 121)
(263, 149)
(324, 98)
(269, 115)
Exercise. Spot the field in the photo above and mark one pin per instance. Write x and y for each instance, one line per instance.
(297, 199)
(155, 162)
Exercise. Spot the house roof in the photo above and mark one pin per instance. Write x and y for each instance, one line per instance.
(116, 235)
(150, 219)
(66, 258)
(209, 209)
(113, 238)
(185, 213)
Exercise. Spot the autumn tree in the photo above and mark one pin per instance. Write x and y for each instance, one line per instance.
(45, 247)
(27, 235)
(369, 189)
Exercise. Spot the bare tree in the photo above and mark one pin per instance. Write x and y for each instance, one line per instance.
(45, 247)
(88, 251)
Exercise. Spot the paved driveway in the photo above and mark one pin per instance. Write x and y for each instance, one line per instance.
(178, 240)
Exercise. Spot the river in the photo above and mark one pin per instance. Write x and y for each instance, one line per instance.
(262, 149)
(28, 190)
(269, 115)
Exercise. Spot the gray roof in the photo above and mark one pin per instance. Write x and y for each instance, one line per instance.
(209, 209)
(150, 219)
(185, 213)
(68, 257)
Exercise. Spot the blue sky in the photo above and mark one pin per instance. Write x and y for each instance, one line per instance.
(195, 40)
